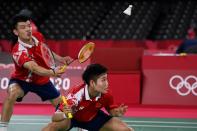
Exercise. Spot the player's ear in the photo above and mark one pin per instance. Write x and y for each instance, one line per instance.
(15, 32)
(92, 83)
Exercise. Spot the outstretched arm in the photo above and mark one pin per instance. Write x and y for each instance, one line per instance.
(39, 70)
(65, 60)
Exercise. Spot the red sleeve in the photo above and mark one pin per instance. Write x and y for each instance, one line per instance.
(21, 57)
(39, 36)
(110, 102)
(74, 89)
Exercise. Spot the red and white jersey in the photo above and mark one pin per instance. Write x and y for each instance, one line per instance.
(85, 108)
(22, 53)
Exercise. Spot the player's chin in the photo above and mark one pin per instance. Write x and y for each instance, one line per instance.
(27, 38)
(105, 91)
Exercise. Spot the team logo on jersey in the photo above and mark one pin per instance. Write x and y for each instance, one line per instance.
(81, 108)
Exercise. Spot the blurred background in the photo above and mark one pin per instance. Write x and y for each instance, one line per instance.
(99, 19)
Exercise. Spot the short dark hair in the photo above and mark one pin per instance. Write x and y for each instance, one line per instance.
(26, 12)
(19, 18)
(92, 72)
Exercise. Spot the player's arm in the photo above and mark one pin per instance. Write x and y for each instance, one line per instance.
(61, 115)
(62, 112)
(39, 70)
(56, 56)
(65, 60)
(58, 116)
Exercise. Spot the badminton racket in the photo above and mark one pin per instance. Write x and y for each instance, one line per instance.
(84, 54)
(50, 62)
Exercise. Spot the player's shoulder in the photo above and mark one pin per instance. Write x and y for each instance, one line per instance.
(107, 95)
(39, 36)
(76, 88)
(15, 48)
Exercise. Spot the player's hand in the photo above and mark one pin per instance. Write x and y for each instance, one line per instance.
(58, 71)
(120, 111)
(66, 60)
(67, 109)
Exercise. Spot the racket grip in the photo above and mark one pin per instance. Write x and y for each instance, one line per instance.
(69, 115)
(63, 67)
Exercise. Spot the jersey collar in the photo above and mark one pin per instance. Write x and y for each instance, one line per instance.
(27, 45)
(87, 96)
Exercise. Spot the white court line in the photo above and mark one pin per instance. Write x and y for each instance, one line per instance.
(32, 123)
(131, 125)
(165, 122)
(195, 127)
(19, 119)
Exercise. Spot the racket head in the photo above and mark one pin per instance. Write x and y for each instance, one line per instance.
(47, 56)
(86, 51)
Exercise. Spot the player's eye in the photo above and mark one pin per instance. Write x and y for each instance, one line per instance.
(29, 25)
(104, 79)
(22, 26)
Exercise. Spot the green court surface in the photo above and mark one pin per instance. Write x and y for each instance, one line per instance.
(35, 123)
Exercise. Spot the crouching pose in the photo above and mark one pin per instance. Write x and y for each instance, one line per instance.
(85, 103)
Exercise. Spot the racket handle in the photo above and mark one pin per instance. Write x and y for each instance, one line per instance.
(63, 67)
(69, 115)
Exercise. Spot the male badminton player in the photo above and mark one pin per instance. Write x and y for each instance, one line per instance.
(85, 103)
(31, 72)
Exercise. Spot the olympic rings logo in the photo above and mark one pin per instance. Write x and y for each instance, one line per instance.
(184, 86)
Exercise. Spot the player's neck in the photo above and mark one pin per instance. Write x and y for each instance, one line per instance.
(92, 92)
(29, 42)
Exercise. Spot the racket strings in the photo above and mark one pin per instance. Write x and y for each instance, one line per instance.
(86, 52)
(48, 56)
